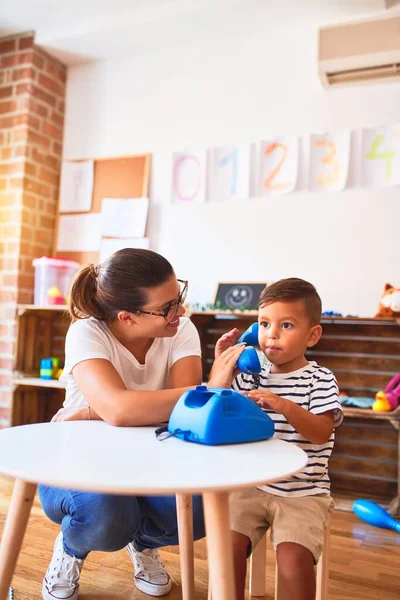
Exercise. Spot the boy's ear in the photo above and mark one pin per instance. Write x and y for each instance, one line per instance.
(315, 336)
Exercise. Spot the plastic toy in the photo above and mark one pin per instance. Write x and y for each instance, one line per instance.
(50, 368)
(389, 398)
(218, 416)
(356, 401)
(248, 361)
(46, 368)
(374, 514)
(389, 304)
(250, 336)
(54, 296)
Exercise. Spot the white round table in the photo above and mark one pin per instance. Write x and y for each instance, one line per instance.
(94, 456)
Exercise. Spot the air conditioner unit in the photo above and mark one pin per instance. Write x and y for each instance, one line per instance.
(364, 52)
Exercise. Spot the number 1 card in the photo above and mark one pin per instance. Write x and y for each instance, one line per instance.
(229, 168)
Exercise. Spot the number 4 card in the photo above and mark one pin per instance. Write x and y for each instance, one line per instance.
(279, 161)
(381, 157)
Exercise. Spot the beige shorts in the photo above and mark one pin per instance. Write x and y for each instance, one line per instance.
(298, 520)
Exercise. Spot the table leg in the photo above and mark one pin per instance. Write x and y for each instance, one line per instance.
(219, 547)
(185, 532)
(14, 530)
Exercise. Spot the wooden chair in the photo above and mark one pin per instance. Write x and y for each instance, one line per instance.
(258, 568)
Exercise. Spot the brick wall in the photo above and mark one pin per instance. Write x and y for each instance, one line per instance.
(32, 95)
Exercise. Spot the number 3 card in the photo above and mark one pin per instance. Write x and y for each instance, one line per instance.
(279, 161)
(329, 161)
(381, 157)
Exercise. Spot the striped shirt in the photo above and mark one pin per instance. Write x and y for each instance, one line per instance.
(314, 388)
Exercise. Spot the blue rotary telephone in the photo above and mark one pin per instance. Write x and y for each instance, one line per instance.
(218, 416)
(248, 361)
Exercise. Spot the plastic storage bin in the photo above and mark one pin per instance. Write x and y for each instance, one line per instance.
(53, 279)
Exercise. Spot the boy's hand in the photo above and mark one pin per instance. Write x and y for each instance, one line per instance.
(224, 367)
(226, 341)
(267, 399)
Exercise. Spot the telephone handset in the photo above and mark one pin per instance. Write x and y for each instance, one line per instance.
(248, 361)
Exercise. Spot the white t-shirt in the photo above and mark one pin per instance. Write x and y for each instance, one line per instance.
(91, 338)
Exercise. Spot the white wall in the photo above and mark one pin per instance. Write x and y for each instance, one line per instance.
(242, 90)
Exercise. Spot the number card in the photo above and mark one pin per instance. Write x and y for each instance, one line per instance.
(381, 157)
(279, 160)
(229, 169)
(329, 161)
(189, 177)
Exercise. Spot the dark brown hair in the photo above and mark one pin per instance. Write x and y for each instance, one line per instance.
(120, 283)
(290, 290)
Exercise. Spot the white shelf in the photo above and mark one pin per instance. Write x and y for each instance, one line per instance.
(37, 382)
(22, 308)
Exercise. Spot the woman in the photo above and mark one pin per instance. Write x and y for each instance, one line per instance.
(129, 356)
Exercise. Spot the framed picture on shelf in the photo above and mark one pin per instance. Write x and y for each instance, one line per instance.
(238, 296)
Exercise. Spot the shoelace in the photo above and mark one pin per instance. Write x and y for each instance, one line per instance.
(149, 561)
(68, 573)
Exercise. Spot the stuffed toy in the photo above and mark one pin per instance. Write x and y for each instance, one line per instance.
(389, 304)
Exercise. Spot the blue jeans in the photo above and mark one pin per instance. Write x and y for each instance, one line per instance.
(108, 523)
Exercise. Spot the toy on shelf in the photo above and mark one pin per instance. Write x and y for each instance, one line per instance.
(217, 307)
(331, 313)
(389, 304)
(356, 401)
(389, 398)
(50, 368)
(53, 280)
(372, 513)
(54, 296)
(218, 416)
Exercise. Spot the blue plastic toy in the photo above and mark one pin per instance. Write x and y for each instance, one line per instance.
(46, 368)
(374, 514)
(250, 336)
(218, 416)
(248, 361)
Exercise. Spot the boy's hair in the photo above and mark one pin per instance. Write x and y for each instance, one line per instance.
(290, 290)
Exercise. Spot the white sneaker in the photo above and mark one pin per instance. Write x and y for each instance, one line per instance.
(61, 581)
(150, 574)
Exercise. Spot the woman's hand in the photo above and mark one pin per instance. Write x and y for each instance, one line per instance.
(73, 413)
(224, 367)
(267, 399)
(226, 341)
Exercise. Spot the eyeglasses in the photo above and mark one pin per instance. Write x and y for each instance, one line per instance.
(169, 313)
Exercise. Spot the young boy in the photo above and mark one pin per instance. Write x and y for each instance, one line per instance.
(303, 400)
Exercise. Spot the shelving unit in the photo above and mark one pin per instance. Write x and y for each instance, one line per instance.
(363, 353)
(37, 382)
(41, 333)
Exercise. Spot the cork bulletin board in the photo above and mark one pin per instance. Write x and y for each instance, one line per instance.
(121, 177)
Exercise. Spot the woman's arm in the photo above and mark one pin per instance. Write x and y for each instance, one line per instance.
(110, 401)
(108, 398)
(186, 371)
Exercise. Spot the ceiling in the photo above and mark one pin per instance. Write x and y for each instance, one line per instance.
(79, 31)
